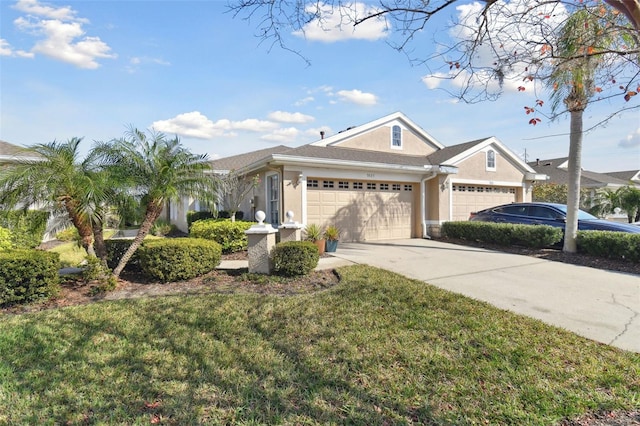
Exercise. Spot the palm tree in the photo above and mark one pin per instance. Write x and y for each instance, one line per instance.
(573, 83)
(57, 180)
(154, 169)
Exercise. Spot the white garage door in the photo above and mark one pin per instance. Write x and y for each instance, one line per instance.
(364, 211)
(471, 198)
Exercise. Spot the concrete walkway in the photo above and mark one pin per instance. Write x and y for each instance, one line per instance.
(600, 305)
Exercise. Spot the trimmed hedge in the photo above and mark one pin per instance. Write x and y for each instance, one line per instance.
(175, 259)
(116, 249)
(196, 216)
(6, 239)
(28, 275)
(532, 236)
(27, 228)
(293, 258)
(230, 235)
(612, 245)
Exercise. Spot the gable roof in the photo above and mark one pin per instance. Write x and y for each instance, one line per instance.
(364, 128)
(9, 149)
(11, 153)
(628, 175)
(556, 169)
(241, 161)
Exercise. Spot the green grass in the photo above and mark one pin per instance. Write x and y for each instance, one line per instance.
(377, 349)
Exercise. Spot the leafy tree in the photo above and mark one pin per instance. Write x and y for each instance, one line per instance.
(606, 200)
(557, 193)
(630, 202)
(154, 169)
(53, 177)
(234, 188)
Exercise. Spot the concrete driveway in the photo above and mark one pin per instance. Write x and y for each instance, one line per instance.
(600, 305)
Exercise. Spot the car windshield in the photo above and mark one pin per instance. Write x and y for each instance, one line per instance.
(582, 215)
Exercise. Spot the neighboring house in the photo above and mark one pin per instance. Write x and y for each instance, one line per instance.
(558, 171)
(629, 176)
(381, 180)
(10, 153)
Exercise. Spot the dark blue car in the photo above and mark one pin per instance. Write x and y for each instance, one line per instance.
(547, 214)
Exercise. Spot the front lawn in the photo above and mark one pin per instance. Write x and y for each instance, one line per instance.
(376, 349)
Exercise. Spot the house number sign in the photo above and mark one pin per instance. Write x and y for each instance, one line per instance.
(371, 175)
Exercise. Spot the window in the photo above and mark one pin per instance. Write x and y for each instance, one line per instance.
(343, 184)
(357, 185)
(371, 185)
(396, 137)
(491, 160)
(396, 187)
(273, 199)
(312, 183)
(408, 187)
(462, 188)
(327, 184)
(384, 186)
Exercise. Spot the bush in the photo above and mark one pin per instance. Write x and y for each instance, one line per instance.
(612, 245)
(161, 228)
(6, 239)
(69, 234)
(175, 259)
(27, 228)
(230, 235)
(532, 236)
(116, 249)
(28, 275)
(294, 258)
(196, 216)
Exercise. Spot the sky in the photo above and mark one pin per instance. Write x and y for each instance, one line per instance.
(94, 69)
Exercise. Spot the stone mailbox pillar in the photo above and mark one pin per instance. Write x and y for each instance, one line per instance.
(262, 239)
(290, 230)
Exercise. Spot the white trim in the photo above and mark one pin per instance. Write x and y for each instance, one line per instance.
(303, 197)
(498, 147)
(486, 182)
(486, 160)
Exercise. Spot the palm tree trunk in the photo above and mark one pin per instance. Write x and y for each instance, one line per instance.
(153, 211)
(575, 168)
(84, 228)
(98, 241)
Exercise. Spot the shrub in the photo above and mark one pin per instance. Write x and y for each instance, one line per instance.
(69, 234)
(196, 216)
(27, 227)
(294, 258)
(612, 245)
(6, 239)
(230, 235)
(161, 228)
(175, 259)
(116, 249)
(28, 275)
(533, 236)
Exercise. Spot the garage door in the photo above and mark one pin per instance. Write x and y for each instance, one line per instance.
(471, 198)
(364, 211)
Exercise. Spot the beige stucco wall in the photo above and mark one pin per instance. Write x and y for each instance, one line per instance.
(474, 167)
(292, 194)
(380, 140)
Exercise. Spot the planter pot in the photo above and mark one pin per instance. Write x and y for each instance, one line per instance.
(320, 244)
(331, 246)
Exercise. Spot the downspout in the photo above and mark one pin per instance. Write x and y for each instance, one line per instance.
(423, 202)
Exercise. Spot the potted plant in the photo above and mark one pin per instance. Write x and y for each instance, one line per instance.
(332, 234)
(315, 234)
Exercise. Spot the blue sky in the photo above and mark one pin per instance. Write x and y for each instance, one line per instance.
(92, 68)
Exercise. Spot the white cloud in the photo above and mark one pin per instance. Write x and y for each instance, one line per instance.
(631, 141)
(282, 135)
(136, 62)
(64, 38)
(305, 101)
(33, 7)
(336, 23)
(7, 50)
(357, 97)
(196, 125)
(290, 117)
